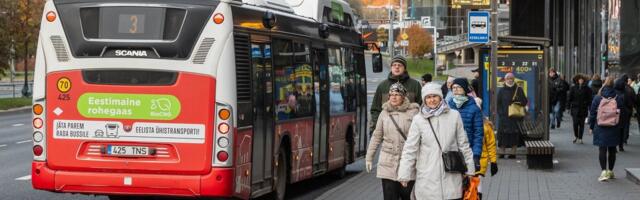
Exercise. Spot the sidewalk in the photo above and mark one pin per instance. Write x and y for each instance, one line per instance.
(574, 176)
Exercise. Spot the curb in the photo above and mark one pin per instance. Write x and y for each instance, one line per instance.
(13, 111)
(633, 174)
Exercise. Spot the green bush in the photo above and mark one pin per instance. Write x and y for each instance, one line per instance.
(418, 67)
(9, 103)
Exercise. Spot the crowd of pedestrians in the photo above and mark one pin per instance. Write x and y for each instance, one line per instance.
(434, 138)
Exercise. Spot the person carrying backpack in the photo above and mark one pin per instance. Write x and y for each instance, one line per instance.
(604, 121)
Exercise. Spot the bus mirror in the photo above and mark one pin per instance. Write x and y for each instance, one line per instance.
(376, 61)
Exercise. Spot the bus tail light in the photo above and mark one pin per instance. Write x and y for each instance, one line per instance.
(37, 150)
(51, 16)
(37, 123)
(223, 136)
(39, 130)
(218, 18)
(223, 156)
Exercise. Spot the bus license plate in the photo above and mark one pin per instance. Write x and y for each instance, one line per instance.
(128, 150)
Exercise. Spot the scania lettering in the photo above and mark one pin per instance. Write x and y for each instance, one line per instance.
(230, 99)
(131, 53)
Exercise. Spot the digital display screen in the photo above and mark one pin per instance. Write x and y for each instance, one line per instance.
(132, 23)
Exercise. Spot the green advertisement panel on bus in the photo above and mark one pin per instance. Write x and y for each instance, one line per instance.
(129, 106)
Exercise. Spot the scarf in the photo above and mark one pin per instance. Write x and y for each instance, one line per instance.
(510, 85)
(459, 100)
(429, 112)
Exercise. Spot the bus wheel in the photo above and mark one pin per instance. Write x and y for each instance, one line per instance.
(282, 175)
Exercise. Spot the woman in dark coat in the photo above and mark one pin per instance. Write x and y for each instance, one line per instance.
(605, 137)
(622, 88)
(508, 132)
(579, 100)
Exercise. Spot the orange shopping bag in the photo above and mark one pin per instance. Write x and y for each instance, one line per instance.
(471, 193)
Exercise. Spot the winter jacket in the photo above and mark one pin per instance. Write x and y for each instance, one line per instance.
(473, 126)
(562, 94)
(387, 134)
(580, 98)
(555, 88)
(422, 158)
(382, 94)
(488, 148)
(605, 136)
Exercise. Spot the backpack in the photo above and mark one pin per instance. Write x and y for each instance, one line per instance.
(608, 113)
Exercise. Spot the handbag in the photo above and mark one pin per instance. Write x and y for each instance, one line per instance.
(453, 160)
(515, 108)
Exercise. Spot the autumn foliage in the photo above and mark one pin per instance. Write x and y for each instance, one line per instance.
(420, 41)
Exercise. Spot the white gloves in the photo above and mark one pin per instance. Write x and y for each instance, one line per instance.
(368, 166)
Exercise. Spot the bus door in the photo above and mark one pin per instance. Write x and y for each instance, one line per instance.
(361, 99)
(262, 162)
(321, 129)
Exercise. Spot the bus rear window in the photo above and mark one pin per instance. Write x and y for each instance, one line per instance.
(129, 77)
(134, 23)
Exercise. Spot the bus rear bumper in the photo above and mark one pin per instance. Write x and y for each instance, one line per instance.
(217, 183)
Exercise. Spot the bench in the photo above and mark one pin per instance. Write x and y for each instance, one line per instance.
(539, 154)
(531, 131)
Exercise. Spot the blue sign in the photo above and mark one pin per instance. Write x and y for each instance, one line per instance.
(478, 26)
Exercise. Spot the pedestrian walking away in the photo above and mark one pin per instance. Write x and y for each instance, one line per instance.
(595, 84)
(471, 116)
(605, 123)
(398, 74)
(562, 98)
(580, 98)
(436, 129)
(426, 78)
(508, 132)
(390, 133)
(623, 90)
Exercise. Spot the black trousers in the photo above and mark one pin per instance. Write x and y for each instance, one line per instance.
(578, 126)
(604, 158)
(393, 190)
(626, 123)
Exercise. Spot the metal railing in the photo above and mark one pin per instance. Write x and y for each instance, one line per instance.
(13, 90)
(452, 43)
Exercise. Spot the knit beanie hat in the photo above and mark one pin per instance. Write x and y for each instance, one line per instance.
(400, 59)
(431, 89)
(462, 82)
(399, 88)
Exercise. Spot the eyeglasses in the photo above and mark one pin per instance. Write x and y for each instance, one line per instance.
(456, 87)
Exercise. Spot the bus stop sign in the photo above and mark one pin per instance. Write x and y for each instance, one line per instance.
(478, 26)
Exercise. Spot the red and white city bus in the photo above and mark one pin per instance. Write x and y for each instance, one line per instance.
(228, 99)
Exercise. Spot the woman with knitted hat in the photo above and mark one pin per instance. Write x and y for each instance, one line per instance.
(436, 129)
(508, 132)
(391, 131)
(471, 116)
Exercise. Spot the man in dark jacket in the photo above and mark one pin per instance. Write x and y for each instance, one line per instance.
(629, 100)
(398, 74)
(555, 87)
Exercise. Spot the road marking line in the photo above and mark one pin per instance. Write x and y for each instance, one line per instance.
(3, 145)
(17, 125)
(24, 178)
(23, 141)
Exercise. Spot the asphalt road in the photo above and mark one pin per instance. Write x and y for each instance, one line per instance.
(16, 157)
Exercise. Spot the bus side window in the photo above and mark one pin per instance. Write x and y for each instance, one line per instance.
(293, 80)
(336, 81)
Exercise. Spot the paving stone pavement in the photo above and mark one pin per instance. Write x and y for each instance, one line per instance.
(574, 176)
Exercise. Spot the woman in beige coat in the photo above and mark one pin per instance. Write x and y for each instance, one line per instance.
(391, 129)
(422, 154)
